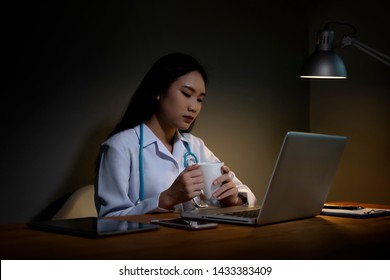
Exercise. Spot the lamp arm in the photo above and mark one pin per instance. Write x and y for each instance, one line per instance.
(348, 41)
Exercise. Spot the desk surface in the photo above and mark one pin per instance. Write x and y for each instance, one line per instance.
(321, 237)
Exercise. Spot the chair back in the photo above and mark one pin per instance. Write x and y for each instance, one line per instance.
(80, 204)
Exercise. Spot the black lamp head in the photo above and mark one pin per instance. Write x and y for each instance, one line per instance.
(324, 63)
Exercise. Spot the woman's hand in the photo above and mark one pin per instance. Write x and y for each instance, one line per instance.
(227, 194)
(186, 186)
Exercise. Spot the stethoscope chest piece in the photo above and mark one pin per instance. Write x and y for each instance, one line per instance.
(189, 159)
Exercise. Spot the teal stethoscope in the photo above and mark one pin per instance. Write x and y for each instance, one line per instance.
(189, 159)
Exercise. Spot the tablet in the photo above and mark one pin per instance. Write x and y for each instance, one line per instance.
(91, 226)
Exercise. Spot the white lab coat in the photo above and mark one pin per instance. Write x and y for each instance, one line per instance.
(117, 183)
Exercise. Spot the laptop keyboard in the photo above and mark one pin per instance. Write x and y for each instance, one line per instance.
(246, 214)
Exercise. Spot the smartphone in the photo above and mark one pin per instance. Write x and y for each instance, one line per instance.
(184, 224)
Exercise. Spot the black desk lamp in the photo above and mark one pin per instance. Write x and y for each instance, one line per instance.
(324, 63)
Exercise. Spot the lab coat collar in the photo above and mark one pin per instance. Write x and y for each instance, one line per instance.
(179, 148)
(181, 137)
(150, 137)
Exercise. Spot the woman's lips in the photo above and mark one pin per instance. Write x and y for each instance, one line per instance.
(188, 119)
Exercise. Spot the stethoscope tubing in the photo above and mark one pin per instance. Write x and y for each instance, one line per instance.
(187, 157)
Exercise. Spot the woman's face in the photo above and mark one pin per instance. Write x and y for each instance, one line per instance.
(181, 103)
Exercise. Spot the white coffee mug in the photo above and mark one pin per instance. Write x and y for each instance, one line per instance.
(210, 172)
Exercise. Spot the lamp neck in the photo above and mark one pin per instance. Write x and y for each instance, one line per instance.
(325, 39)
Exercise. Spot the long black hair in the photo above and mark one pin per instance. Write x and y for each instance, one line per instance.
(157, 80)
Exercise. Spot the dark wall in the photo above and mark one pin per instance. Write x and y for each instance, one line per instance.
(72, 67)
(357, 107)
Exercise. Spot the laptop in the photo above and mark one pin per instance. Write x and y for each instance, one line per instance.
(298, 186)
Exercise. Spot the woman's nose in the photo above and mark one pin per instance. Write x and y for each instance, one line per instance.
(193, 106)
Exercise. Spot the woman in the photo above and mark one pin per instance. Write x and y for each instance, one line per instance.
(141, 165)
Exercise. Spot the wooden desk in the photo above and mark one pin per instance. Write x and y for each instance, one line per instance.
(321, 237)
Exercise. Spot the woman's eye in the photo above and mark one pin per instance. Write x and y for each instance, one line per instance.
(189, 95)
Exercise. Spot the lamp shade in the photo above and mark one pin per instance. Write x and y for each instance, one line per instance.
(324, 63)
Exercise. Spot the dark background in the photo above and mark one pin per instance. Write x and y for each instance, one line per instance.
(72, 66)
